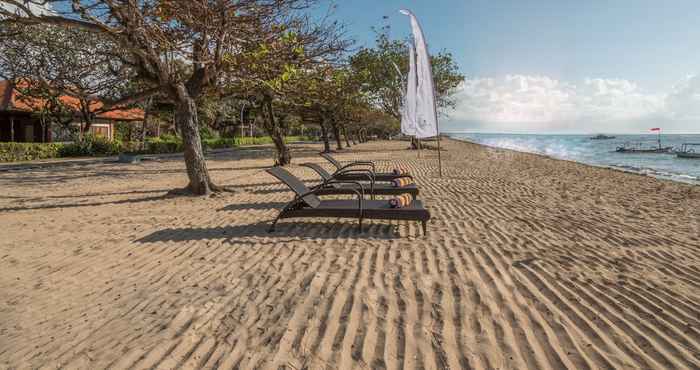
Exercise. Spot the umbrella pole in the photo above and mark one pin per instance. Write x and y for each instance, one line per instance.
(439, 155)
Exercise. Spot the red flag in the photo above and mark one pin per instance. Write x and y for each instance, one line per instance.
(656, 129)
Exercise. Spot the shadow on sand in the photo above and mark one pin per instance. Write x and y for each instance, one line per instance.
(91, 204)
(285, 230)
(254, 206)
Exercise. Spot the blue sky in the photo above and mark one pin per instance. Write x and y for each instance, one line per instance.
(558, 66)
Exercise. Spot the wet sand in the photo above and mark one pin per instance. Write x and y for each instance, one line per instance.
(531, 263)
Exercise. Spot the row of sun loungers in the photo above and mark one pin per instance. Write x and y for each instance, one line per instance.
(359, 180)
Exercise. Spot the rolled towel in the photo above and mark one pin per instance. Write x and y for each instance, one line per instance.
(400, 201)
(401, 182)
(400, 171)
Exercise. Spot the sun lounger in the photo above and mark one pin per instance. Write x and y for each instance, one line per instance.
(356, 171)
(306, 203)
(327, 187)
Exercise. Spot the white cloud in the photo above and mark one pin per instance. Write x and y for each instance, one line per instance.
(683, 102)
(540, 103)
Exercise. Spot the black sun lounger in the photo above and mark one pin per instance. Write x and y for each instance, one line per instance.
(306, 203)
(330, 188)
(356, 171)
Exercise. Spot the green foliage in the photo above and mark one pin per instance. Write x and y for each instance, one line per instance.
(206, 134)
(90, 146)
(163, 144)
(17, 152)
(380, 82)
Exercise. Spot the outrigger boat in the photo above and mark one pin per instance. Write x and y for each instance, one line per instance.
(688, 151)
(637, 147)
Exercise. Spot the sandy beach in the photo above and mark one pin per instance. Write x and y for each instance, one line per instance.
(530, 263)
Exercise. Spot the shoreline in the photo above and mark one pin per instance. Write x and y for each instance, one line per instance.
(676, 178)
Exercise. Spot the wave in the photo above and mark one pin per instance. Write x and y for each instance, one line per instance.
(579, 148)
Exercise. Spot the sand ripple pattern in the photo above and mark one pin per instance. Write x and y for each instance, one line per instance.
(531, 263)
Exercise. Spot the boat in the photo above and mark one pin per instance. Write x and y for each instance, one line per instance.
(688, 150)
(601, 137)
(639, 149)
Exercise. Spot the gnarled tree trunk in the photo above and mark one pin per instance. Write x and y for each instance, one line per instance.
(336, 133)
(324, 133)
(284, 156)
(187, 122)
(345, 134)
(274, 129)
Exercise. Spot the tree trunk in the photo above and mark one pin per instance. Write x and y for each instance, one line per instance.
(324, 133)
(87, 116)
(143, 131)
(187, 122)
(12, 129)
(347, 138)
(336, 133)
(144, 125)
(284, 156)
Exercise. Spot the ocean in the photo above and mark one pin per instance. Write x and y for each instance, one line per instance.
(580, 148)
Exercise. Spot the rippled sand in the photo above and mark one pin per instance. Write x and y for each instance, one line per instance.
(531, 263)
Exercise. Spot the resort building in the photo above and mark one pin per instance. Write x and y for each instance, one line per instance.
(20, 121)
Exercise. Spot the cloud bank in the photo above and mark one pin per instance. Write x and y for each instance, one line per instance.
(519, 103)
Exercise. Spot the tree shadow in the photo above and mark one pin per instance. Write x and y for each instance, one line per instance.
(254, 206)
(91, 204)
(101, 194)
(285, 231)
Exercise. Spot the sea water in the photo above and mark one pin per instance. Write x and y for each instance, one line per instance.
(580, 148)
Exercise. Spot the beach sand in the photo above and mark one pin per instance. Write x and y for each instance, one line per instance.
(530, 263)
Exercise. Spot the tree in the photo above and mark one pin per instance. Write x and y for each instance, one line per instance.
(179, 48)
(55, 61)
(46, 105)
(269, 74)
(382, 84)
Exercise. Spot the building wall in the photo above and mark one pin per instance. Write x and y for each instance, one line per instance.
(105, 130)
(24, 129)
(28, 129)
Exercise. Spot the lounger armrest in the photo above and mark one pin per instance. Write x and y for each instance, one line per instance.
(316, 189)
(360, 194)
(313, 167)
(362, 188)
(357, 164)
(369, 173)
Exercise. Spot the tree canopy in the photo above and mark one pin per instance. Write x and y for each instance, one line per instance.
(268, 59)
(382, 83)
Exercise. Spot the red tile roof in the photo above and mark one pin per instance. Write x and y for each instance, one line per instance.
(10, 99)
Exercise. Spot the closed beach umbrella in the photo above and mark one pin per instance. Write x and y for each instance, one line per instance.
(425, 112)
(408, 113)
(425, 116)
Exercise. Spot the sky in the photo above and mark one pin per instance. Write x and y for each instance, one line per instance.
(557, 66)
